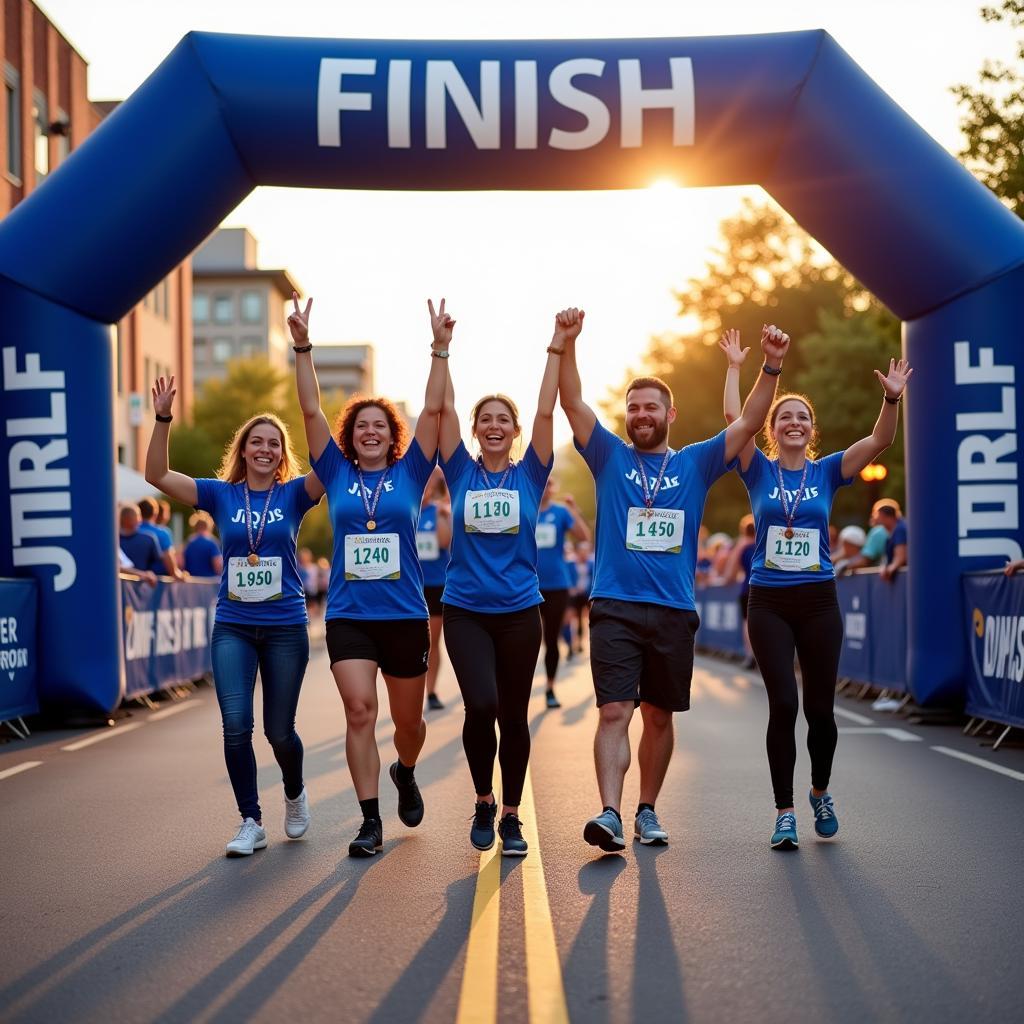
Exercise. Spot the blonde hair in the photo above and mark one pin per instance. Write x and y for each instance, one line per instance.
(232, 466)
(771, 446)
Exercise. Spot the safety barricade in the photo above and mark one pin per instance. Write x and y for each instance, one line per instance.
(166, 630)
(721, 625)
(18, 693)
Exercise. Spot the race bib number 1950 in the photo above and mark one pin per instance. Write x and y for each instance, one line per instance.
(254, 582)
(655, 529)
(372, 556)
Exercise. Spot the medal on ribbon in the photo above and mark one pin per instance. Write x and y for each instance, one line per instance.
(253, 558)
(789, 511)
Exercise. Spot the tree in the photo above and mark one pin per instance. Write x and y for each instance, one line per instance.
(993, 123)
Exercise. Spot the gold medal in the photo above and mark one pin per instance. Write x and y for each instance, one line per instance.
(371, 524)
(253, 558)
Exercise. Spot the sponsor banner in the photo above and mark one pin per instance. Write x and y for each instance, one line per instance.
(18, 694)
(994, 614)
(166, 633)
(854, 597)
(721, 625)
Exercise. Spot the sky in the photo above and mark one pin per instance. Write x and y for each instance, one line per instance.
(506, 261)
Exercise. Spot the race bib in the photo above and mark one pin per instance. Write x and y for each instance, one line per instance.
(372, 556)
(655, 529)
(492, 511)
(427, 547)
(547, 535)
(251, 583)
(799, 553)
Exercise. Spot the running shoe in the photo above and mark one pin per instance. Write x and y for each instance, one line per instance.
(648, 829)
(510, 828)
(481, 835)
(826, 824)
(369, 840)
(410, 802)
(250, 837)
(434, 702)
(296, 815)
(784, 836)
(551, 700)
(605, 832)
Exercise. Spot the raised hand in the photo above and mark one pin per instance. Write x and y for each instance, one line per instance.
(774, 343)
(729, 343)
(895, 381)
(441, 324)
(568, 324)
(298, 321)
(570, 503)
(163, 393)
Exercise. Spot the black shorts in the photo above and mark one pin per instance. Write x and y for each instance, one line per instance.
(641, 652)
(432, 595)
(399, 646)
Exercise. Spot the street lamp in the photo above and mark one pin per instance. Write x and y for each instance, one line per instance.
(873, 474)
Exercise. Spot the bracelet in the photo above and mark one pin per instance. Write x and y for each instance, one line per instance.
(892, 401)
(163, 419)
(555, 351)
(438, 353)
(770, 371)
(302, 348)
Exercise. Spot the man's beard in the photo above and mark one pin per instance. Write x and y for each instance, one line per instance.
(659, 431)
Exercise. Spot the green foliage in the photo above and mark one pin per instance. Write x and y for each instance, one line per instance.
(993, 121)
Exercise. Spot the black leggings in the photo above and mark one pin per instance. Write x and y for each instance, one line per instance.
(494, 657)
(806, 619)
(552, 614)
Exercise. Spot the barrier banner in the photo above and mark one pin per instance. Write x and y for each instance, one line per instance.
(854, 596)
(887, 627)
(994, 614)
(166, 634)
(18, 695)
(721, 625)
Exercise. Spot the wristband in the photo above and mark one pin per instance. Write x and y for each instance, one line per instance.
(163, 419)
(438, 353)
(892, 401)
(555, 351)
(302, 348)
(770, 371)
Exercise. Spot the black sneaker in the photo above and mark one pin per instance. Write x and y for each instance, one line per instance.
(481, 835)
(370, 839)
(510, 828)
(410, 802)
(434, 702)
(551, 700)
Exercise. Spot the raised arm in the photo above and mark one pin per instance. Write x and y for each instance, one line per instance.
(579, 529)
(867, 449)
(729, 343)
(428, 425)
(743, 430)
(158, 471)
(582, 418)
(566, 323)
(318, 430)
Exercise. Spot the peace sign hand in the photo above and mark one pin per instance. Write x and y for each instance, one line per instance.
(729, 343)
(298, 321)
(895, 381)
(774, 343)
(441, 324)
(163, 393)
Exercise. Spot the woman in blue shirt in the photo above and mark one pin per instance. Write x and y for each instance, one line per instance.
(793, 608)
(257, 502)
(376, 615)
(433, 537)
(492, 628)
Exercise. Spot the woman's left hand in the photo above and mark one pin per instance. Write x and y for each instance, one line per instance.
(895, 381)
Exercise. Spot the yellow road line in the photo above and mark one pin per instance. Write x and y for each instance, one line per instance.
(478, 1000)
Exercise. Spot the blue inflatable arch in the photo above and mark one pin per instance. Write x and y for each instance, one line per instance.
(222, 114)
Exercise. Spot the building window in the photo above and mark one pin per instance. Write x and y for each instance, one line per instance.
(148, 371)
(223, 309)
(223, 350)
(252, 346)
(200, 349)
(252, 308)
(63, 137)
(40, 121)
(165, 289)
(200, 308)
(12, 92)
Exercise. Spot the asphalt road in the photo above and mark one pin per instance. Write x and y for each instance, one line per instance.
(117, 904)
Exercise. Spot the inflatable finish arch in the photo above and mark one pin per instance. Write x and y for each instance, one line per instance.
(222, 114)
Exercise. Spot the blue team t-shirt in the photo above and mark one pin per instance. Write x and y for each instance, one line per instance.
(200, 552)
(396, 514)
(656, 577)
(494, 572)
(552, 568)
(898, 536)
(824, 478)
(163, 537)
(433, 568)
(288, 504)
(143, 551)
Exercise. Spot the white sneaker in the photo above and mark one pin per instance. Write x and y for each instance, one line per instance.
(296, 816)
(250, 837)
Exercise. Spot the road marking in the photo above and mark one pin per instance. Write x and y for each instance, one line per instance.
(174, 709)
(894, 734)
(19, 768)
(544, 986)
(478, 1000)
(852, 716)
(1009, 772)
(101, 736)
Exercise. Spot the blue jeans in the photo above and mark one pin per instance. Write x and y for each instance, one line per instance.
(281, 654)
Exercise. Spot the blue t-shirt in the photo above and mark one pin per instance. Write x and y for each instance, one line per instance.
(143, 551)
(433, 568)
(397, 513)
(164, 538)
(494, 572)
(552, 568)
(288, 504)
(656, 577)
(898, 536)
(824, 478)
(199, 554)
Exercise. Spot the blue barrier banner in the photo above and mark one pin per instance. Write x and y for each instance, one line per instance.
(887, 627)
(994, 614)
(854, 600)
(18, 694)
(721, 625)
(166, 633)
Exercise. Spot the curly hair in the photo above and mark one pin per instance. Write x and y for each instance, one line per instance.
(771, 446)
(345, 425)
(232, 466)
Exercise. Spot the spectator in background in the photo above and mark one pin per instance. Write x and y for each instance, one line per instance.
(873, 550)
(851, 543)
(896, 542)
(140, 548)
(582, 579)
(201, 554)
(149, 511)
(719, 547)
(703, 570)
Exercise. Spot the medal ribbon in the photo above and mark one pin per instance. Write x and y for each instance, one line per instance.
(371, 509)
(787, 511)
(254, 544)
(487, 477)
(650, 495)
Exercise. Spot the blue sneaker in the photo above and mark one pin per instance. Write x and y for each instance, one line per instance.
(826, 824)
(784, 836)
(481, 833)
(605, 832)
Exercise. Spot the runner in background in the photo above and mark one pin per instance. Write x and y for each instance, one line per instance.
(433, 538)
(581, 570)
